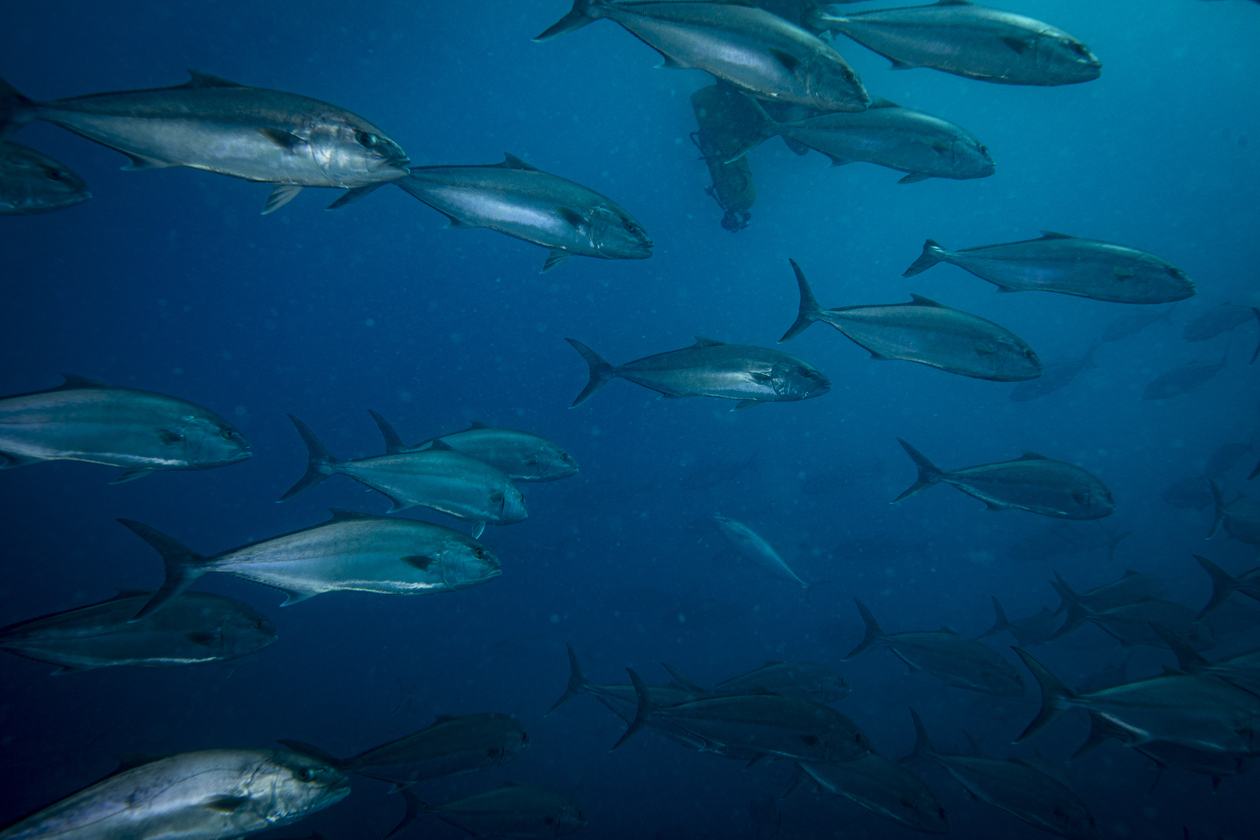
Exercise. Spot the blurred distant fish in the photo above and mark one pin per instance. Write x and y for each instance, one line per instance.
(31, 182)
(1240, 518)
(751, 546)
(195, 627)
(1129, 589)
(791, 679)
(209, 123)
(1068, 265)
(923, 331)
(1032, 482)
(969, 40)
(841, 476)
(1224, 458)
(1131, 624)
(1055, 376)
(514, 810)
(759, 52)
(1189, 493)
(1182, 380)
(1063, 538)
(1033, 630)
(709, 368)
(1222, 319)
(526, 203)
(725, 116)
(1134, 322)
(139, 431)
(885, 787)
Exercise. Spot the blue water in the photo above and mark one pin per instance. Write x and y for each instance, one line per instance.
(171, 281)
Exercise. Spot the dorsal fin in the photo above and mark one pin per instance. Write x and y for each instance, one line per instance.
(701, 341)
(74, 381)
(878, 102)
(197, 79)
(1049, 234)
(1031, 456)
(922, 301)
(513, 162)
(439, 445)
(479, 425)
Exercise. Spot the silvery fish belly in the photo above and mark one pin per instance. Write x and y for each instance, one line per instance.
(716, 370)
(32, 182)
(444, 480)
(207, 795)
(85, 420)
(521, 456)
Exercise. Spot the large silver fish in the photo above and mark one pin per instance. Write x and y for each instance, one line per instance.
(749, 47)
(1031, 482)
(968, 40)
(520, 201)
(514, 810)
(139, 431)
(32, 182)
(205, 795)
(752, 547)
(792, 679)
(1068, 265)
(1240, 518)
(946, 655)
(709, 368)
(209, 123)
(351, 552)
(440, 478)
(1131, 624)
(195, 627)
(884, 787)
(521, 456)
(923, 331)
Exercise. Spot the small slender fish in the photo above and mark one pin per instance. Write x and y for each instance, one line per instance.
(521, 456)
(514, 810)
(1068, 265)
(31, 182)
(752, 547)
(884, 787)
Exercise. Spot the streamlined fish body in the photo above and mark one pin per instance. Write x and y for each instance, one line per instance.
(521, 456)
(884, 787)
(32, 182)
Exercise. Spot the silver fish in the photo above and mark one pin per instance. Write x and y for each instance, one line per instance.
(709, 368)
(209, 123)
(520, 201)
(1031, 482)
(751, 48)
(351, 552)
(791, 679)
(521, 456)
(923, 331)
(139, 431)
(195, 627)
(968, 40)
(514, 810)
(1033, 630)
(1183, 380)
(1131, 624)
(884, 787)
(32, 182)
(205, 795)
(946, 655)
(752, 547)
(1068, 265)
(439, 477)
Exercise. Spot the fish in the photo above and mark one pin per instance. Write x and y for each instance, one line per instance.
(708, 476)
(1131, 623)
(438, 477)
(1014, 786)
(1224, 585)
(1182, 380)
(1217, 765)
(1134, 322)
(1033, 630)
(140, 432)
(841, 476)
(514, 810)
(524, 202)
(1031, 482)
(203, 795)
(1064, 538)
(752, 547)
(1132, 588)
(752, 49)
(31, 182)
(1225, 458)
(195, 627)
(964, 39)
(725, 117)
(1189, 493)
(884, 787)
(791, 679)
(1202, 714)
(351, 552)
(1067, 265)
(210, 123)
(1241, 670)
(521, 456)
(946, 655)
(1053, 377)
(451, 746)
(1221, 319)
(1240, 518)
(885, 134)
(926, 332)
(708, 368)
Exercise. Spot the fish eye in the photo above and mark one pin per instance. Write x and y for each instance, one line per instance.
(226, 433)
(628, 225)
(479, 553)
(305, 774)
(52, 174)
(366, 139)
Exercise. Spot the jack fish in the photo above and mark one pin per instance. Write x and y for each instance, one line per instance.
(884, 787)
(1182, 380)
(1033, 630)
(32, 182)
(514, 810)
(1224, 585)
(752, 547)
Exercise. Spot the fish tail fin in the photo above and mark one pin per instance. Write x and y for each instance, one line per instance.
(641, 713)
(393, 443)
(15, 110)
(1099, 732)
(1000, 623)
(932, 254)
(1071, 602)
(1188, 658)
(183, 566)
(416, 807)
(601, 372)
(682, 680)
(810, 587)
(582, 13)
(1054, 696)
(809, 308)
(1220, 507)
(312, 751)
(319, 465)
(767, 128)
(873, 636)
(578, 683)
(1223, 585)
(923, 748)
(929, 473)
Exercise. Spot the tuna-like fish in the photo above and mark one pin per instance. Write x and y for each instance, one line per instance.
(751, 48)
(139, 431)
(1224, 458)
(968, 40)
(791, 679)
(31, 182)
(451, 746)
(1224, 584)
(752, 547)
(209, 123)
(353, 551)
(514, 810)
(521, 456)
(709, 368)
(1134, 322)
(1068, 265)
(923, 331)
(438, 477)
(520, 201)
(1222, 319)
(195, 627)
(884, 787)
(1017, 788)
(1240, 518)
(1131, 624)
(1132, 588)
(1241, 670)
(946, 655)
(1055, 376)
(1033, 630)
(1182, 380)
(205, 795)
(1217, 765)
(1031, 482)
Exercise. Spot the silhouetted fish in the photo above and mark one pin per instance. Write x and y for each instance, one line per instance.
(31, 182)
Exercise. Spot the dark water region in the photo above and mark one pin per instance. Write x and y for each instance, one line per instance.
(170, 281)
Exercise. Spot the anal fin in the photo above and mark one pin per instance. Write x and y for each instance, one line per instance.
(281, 195)
(554, 258)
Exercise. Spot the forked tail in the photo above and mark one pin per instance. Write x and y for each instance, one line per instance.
(1054, 696)
(809, 310)
(601, 372)
(929, 473)
(932, 254)
(182, 565)
(1223, 585)
(578, 683)
(318, 465)
(582, 13)
(873, 636)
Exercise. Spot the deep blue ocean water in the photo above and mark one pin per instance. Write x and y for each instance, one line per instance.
(171, 281)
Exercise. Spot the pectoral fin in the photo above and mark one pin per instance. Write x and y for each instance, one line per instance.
(8, 460)
(351, 196)
(281, 195)
(204, 638)
(296, 596)
(914, 178)
(138, 163)
(671, 63)
(130, 475)
(746, 404)
(227, 804)
(554, 258)
(286, 140)
(478, 529)
(418, 561)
